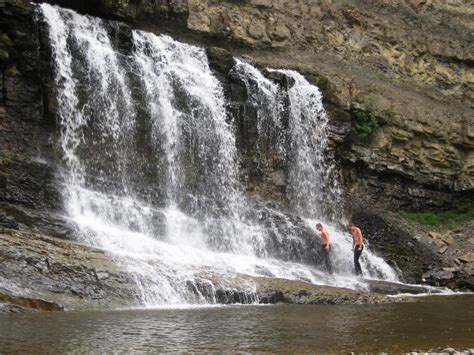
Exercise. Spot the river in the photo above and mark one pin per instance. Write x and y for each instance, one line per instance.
(424, 324)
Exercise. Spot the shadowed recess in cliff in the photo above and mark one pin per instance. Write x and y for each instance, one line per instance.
(151, 173)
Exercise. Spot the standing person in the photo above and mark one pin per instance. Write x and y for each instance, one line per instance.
(326, 246)
(357, 246)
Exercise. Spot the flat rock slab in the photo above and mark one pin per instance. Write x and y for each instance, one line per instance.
(52, 274)
(392, 288)
(275, 290)
(39, 272)
(272, 290)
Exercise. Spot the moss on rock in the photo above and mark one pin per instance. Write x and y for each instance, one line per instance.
(220, 59)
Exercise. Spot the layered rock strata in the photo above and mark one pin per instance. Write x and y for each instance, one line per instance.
(409, 63)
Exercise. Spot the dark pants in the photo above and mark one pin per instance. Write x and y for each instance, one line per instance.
(327, 259)
(357, 254)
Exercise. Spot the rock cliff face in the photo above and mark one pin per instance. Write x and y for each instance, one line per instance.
(28, 188)
(410, 64)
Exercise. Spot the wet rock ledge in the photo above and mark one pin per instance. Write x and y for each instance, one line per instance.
(39, 273)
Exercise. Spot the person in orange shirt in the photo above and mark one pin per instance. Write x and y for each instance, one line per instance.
(357, 246)
(326, 246)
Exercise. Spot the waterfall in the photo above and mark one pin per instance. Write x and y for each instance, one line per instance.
(267, 98)
(150, 167)
(313, 188)
(187, 110)
(313, 184)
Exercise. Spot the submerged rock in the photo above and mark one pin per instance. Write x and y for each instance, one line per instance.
(13, 308)
(28, 303)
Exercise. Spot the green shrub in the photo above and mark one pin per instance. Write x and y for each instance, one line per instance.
(365, 122)
(323, 83)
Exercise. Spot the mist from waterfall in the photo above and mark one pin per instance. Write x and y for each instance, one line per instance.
(151, 172)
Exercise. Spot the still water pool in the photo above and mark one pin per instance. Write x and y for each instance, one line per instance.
(424, 324)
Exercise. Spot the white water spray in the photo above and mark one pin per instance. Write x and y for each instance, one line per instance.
(266, 97)
(313, 185)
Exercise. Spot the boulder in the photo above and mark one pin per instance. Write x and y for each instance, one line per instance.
(443, 249)
(220, 59)
(441, 278)
(448, 239)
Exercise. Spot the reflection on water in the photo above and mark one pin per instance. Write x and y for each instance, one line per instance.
(424, 324)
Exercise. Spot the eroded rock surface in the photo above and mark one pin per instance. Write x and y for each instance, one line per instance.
(44, 273)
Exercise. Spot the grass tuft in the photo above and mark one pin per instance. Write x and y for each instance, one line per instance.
(450, 218)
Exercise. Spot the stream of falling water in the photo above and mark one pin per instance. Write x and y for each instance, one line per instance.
(151, 169)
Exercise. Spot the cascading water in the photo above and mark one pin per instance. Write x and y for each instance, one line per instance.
(314, 190)
(266, 97)
(150, 164)
(313, 185)
(187, 110)
(103, 121)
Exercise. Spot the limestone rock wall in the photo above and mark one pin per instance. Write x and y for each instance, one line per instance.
(421, 156)
(429, 41)
(409, 62)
